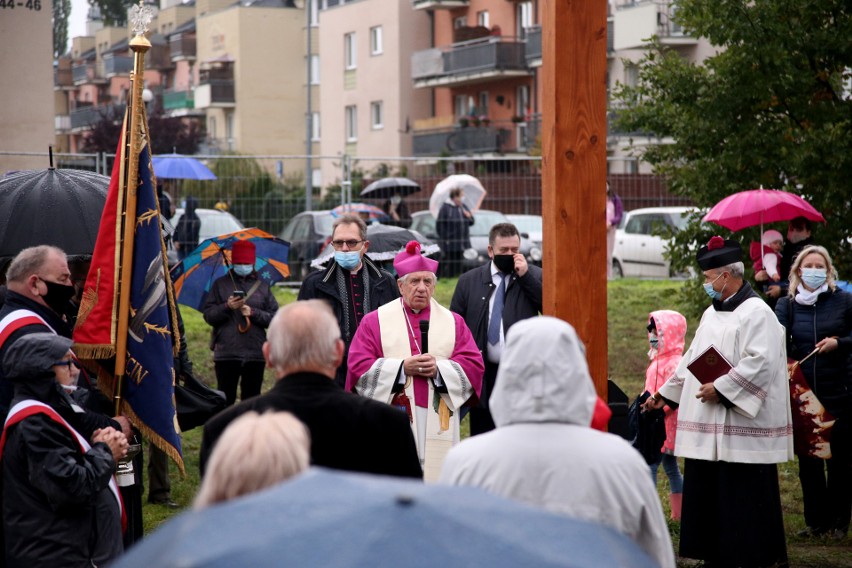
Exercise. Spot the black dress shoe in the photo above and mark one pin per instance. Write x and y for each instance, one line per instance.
(166, 502)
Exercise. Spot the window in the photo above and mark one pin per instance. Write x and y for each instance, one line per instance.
(524, 18)
(522, 104)
(315, 126)
(350, 55)
(631, 74)
(351, 123)
(377, 115)
(483, 103)
(482, 19)
(376, 46)
(462, 105)
(315, 70)
(459, 22)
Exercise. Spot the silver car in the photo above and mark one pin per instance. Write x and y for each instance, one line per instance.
(639, 251)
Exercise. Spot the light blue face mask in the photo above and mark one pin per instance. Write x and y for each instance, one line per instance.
(708, 287)
(348, 260)
(813, 278)
(243, 269)
(655, 342)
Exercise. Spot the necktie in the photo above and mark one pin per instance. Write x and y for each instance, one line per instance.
(497, 313)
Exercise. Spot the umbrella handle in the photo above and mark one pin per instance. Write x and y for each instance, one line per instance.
(244, 328)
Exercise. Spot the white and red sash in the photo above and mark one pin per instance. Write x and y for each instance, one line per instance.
(27, 408)
(18, 319)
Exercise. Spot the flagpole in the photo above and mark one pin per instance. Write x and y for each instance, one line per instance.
(134, 141)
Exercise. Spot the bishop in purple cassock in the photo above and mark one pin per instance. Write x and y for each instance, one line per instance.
(428, 376)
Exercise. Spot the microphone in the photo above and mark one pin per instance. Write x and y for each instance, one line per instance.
(424, 336)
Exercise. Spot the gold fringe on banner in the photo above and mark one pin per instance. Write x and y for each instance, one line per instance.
(93, 351)
(153, 437)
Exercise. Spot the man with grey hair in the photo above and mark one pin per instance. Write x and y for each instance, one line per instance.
(418, 356)
(39, 288)
(734, 424)
(304, 350)
(352, 285)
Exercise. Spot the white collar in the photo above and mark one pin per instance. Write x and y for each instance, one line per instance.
(807, 298)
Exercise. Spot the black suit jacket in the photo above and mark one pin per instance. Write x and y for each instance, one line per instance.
(474, 289)
(348, 432)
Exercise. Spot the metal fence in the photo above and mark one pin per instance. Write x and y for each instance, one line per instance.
(267, 191)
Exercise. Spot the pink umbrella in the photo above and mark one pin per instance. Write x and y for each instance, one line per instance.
(759, 206)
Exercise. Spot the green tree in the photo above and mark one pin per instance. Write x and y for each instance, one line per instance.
(61, 13)
(113, 12)
(771, 108)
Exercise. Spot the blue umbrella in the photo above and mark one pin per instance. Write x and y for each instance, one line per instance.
(339, 519)
(177, 166)
(194, 275)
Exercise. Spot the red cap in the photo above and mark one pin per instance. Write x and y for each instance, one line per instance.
(242, 252)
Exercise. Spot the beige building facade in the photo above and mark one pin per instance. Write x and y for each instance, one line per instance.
(26, 92)
(367, 100)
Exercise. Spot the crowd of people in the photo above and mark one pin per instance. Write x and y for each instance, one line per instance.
(373, 375)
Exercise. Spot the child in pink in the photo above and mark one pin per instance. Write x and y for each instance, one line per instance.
(666, 334)
(767, 254)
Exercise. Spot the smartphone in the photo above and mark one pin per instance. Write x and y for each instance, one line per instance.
(239, 294)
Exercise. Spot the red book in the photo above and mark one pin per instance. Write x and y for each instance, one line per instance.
(709, 366)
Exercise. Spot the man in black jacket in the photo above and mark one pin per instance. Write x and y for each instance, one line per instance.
(348, 432)
(453, 227)
(491, 299)
(352, 285)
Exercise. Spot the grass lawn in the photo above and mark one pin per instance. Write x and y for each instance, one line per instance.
(629, 302)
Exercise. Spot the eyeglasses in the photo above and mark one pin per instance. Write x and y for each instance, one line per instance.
(69, 363)
(351, 243)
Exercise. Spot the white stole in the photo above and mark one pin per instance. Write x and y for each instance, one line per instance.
(433, 443)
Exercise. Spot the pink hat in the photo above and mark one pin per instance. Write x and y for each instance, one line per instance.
(410, 260)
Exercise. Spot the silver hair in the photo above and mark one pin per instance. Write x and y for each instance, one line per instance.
(404, 279)
(29, 261)
(303, 335)
(830, 271)
(737, 269)
(254, 452)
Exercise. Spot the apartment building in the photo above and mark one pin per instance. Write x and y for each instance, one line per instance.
(630, 24)
(26, 114)
(229, 65)
(482, 75)
(367, 100)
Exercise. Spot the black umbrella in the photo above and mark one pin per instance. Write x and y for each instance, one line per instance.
(51, 207)
(387, 187)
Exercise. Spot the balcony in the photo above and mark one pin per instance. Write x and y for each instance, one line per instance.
(182, 46)
(83, 73)
(62, 123)
(459, 141)
(158, 57)
(215, 93)
(533, 51)
(86, 117)
(63, 78)
(178, 100)
(636, 23)
(470, 62)
(439, 4)
(117, 65)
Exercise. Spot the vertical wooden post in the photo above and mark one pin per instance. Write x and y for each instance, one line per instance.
(574, 171)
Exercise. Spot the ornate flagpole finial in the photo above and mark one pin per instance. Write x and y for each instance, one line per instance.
(140, 18)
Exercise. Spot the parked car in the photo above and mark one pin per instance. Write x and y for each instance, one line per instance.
(528, 225)
(639, 250)
(308, 233)
(213, 222)
(477, 255)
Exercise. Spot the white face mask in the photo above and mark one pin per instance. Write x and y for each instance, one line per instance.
(396, 199)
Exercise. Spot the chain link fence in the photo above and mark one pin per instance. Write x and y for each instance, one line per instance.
(267, 191)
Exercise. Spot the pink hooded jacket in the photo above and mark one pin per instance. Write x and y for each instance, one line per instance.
(671, 331)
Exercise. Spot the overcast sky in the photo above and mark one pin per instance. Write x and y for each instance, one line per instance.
(77, 23)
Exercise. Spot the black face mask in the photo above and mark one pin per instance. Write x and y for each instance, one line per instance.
(505, 263)
(58, 296)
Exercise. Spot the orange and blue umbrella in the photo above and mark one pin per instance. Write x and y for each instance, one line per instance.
(372, 212)
(194, 275)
